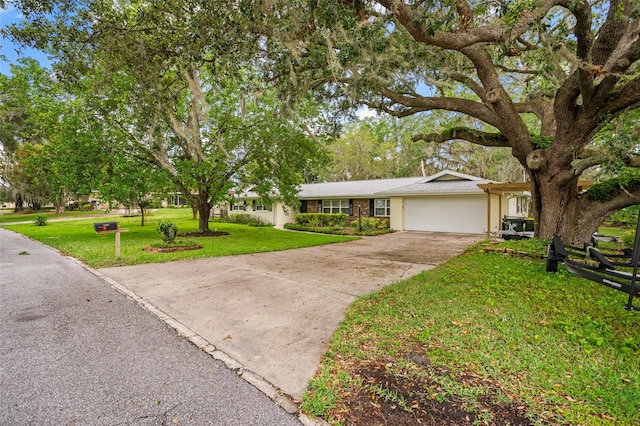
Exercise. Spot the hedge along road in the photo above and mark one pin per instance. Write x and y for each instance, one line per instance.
(274, 313)
(73, 350)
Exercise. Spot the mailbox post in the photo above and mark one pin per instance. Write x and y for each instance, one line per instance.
(110, 228)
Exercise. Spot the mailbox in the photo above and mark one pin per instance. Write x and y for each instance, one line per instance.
(105, 227)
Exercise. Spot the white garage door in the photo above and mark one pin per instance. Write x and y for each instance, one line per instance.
(467, 214)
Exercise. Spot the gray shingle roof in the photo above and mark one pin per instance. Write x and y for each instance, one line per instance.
(437, 187)
(444, 182)
(352, 189)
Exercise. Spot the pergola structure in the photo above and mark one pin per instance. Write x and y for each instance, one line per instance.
(500, 189)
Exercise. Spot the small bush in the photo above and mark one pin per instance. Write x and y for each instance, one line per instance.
(367, 224)
(168, 231)
(321, 219)
(245, 219)
(629, 238)
(40, 220)
(333, 230)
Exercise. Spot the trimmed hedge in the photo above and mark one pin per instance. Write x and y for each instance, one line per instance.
(368, 224)
(334, 230)
(321, 220)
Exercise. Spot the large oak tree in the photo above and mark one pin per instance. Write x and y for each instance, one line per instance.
(556, 81)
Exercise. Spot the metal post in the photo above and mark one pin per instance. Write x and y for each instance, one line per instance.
(635, 258)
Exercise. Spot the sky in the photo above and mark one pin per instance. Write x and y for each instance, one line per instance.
(8, 48)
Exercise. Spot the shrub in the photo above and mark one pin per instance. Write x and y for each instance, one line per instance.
(321, 219)
(627, 215)
(40, 220)
(369, 224)
(333, 230)
(245, 219)
(629, 238)
(168, 231)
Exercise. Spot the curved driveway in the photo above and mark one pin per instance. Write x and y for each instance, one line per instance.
(274, 313)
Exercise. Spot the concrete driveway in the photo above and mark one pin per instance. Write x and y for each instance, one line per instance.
(274, 313)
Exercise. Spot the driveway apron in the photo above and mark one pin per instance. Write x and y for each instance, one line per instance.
(275, 312)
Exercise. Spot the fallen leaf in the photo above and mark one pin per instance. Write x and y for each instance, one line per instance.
(228, 337)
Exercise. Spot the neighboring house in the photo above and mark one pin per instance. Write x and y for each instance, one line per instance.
(445, 202)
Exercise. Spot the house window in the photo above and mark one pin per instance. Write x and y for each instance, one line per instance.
(261, 206)
(335, 206)
(238, 206)
(383, 207)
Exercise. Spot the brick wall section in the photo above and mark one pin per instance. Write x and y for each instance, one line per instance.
(313, 206)
(365, 204)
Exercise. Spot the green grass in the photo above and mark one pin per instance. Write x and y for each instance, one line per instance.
(562, 346)
(78, 239)
(8, 216)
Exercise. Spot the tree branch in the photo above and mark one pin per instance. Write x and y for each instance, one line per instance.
(464, 106)
(469, 37)
(467, 81)
(581, 10)
(612, 30)
(624, 97)
(469, 135)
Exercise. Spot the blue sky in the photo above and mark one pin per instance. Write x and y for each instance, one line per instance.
(8, 49)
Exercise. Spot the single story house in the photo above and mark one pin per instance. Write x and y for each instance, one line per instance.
(447, 201)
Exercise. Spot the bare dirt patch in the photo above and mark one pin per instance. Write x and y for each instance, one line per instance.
(388, 398)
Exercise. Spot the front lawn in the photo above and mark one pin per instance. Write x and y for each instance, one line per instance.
(8, 216)
(78, 239)
(483, 339)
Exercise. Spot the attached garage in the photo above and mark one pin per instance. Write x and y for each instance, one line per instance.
(464, 214)
(445, 202)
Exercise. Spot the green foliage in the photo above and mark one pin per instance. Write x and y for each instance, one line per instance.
(321, 219)
(78, 238)
(40, 220)
(168, 231)
(627, 216)
(334, 230)
(174, 244)
(369, 224)
(628, 237)
(247, 219)
(628, 180)
(497, 319)
(541, 141)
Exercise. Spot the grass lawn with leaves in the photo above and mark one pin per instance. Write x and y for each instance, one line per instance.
(483, 339)
(78, 239)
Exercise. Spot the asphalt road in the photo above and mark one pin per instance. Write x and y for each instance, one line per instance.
(73, 351)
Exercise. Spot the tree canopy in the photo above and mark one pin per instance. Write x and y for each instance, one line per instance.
(554, 81)
(184, 99)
